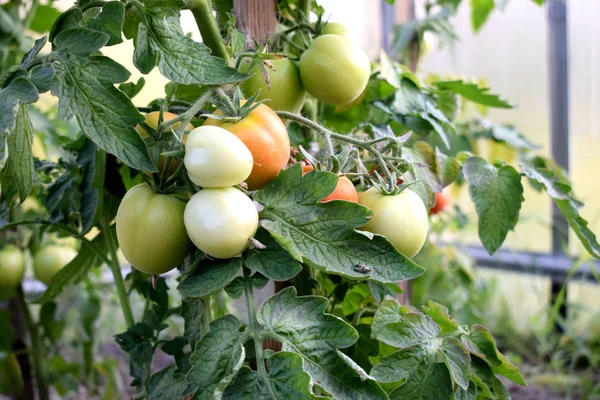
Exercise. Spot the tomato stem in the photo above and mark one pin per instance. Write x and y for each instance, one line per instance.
(304, 5)
(36, 346)
(116, 271)
(186, 116)
(367, 145)
(253, 323)
(207, 24)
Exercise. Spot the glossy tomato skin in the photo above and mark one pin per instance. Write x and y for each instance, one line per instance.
(150, 230)
(12, 266)
(265, 135)
(51, 259)
(152, 120)
(215, 157)
(344, 190)
(286, 92)
(401, 218)
(221, 222)
(441, 203)
(333, 70)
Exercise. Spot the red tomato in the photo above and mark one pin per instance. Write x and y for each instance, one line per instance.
(441, 203)
(344, 190)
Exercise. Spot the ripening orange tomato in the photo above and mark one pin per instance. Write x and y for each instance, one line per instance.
(441, 203)
(344, 190)
(265, 135)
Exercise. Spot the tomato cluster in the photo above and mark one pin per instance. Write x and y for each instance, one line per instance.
(332, 69)
(156, 231)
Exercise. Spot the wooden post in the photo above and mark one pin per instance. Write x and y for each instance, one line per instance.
(256, 18)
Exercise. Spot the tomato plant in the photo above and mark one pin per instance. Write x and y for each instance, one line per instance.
(344, 190)
(117, 177)
(263, 132)
(12, 266)
(221, 222)
(150, 230)
(333, 70)
(216, 158)
(49, 260)
(283, 88)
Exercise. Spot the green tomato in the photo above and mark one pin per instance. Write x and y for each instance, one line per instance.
(286, 92)
(49, 260)
(300, 41)
(12, 266)
(216, 158)
(335, 28)
(221, 222)
(401, 218)
(150, 230)
(333, 70)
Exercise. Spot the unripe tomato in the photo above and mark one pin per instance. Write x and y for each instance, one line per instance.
(152, 120)
(333, 70)
(216, 158)
(49, 260)
(344, 190)
(12, 266)
(150, 230)
(441, 203)
(401, 218)
(265, 135)
(221, 222)
(286, 93)
(335, 28)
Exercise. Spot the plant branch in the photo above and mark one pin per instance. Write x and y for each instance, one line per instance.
(252, 322)
(116, 271)
(225, 99)
(186, 116)
(367, 145)
(36, 347)
(304, 5)
(207, 24)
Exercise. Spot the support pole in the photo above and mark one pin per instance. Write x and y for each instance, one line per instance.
(558, 69)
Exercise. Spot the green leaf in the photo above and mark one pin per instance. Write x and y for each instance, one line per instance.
(104, 113)
(166, 384)
(302, 327)
(356, 299)
(177, 348)
(209, 277)
(109, 21)
(447, 102)
(440, 315)
(560, 192)
(136, 342)
(43, 77)
(396, 367)
(76, 270)
(218, 357)
(285, 381)
(411, 329)
(273, 261)
(481, 343)
(483, 377)
(472, 92)
(131, 89)
(457, 360)
(52, 327)
(448, 168)
(67, 20)
(18, 90)
(181, 59)
(497, 194)
(45, 15)
(191, 311)
(429, 381)
(20, 156)
(480, 11)
(236, 288)
(33, 52)
(469, 394)
(511, 136)
(80, 40)
(387, 313)
(323, 234)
